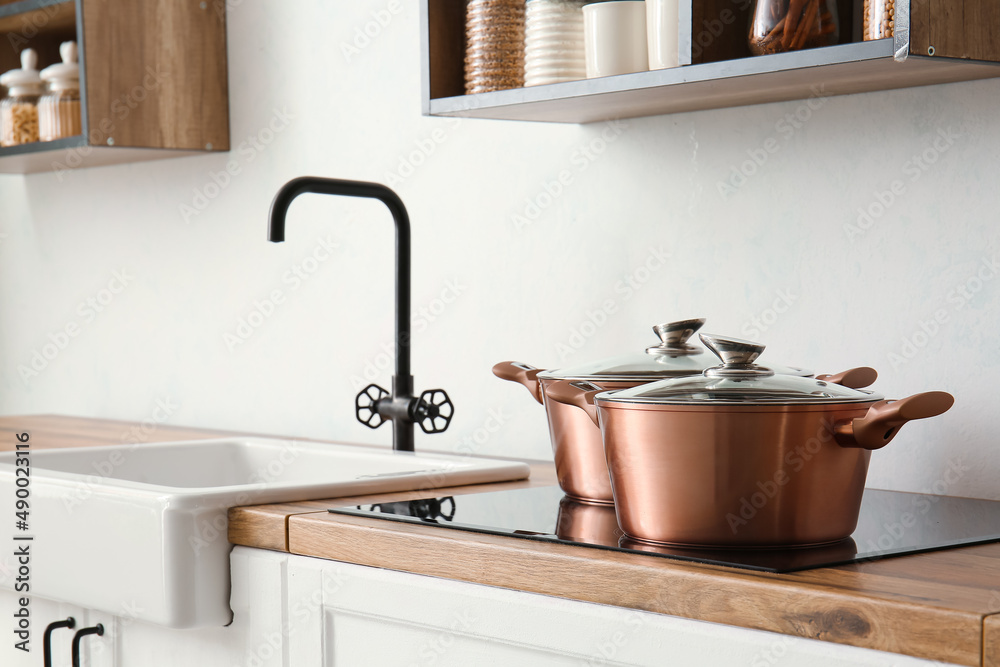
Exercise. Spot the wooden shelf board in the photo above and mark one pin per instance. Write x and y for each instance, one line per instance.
(73, 153)
(836, 70)
(55, 15)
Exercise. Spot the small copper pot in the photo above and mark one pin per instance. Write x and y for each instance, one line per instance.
(740, 456)
(576, 442)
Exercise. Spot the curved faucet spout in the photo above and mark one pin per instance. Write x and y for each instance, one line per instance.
(402, 390)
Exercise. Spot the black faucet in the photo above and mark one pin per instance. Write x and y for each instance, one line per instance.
(373, 406)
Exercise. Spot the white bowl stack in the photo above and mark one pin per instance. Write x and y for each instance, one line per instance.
(553, 42)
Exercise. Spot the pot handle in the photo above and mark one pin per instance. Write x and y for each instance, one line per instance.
(882, 421)
(855, 378)
(524, 374)
(579, 394)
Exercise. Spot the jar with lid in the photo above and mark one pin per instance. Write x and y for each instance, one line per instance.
(879, 19)
(19, 110)
(59, 108)
(791, 25)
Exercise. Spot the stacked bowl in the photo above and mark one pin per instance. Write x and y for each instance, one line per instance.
(554, 43)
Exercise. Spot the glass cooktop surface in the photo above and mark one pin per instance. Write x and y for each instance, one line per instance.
(891, 523)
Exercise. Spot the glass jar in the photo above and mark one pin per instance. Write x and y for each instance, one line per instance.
(790, 25)
(879, 19)
(19, 110)
(59, 108)
(494, 52)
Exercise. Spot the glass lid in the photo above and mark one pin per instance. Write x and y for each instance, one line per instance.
(738, 380)
(672, 357)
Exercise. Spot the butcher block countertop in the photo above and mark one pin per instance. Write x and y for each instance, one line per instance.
(943, 605)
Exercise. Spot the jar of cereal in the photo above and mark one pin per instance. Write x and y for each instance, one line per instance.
(19, 110)
(59, 108)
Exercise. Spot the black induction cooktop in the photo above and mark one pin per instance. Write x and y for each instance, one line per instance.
(891, 523)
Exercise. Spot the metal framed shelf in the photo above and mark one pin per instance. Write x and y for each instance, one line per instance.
(131, 112)
(74, 152)
(964, 51)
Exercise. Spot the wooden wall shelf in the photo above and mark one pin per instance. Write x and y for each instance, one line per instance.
(724, 74)
(153, 78)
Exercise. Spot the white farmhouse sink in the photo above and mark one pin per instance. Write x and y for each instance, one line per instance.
(141, 530)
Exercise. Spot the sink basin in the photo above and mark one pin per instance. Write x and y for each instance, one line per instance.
(141, 530)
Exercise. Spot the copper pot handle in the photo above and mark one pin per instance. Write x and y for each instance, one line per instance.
(515, 371)
(855, 378)
(576, 393)
(882, 421)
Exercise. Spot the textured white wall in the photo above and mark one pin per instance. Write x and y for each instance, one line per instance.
(196, 258)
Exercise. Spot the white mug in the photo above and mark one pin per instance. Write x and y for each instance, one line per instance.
(615, 38)
(662, 33)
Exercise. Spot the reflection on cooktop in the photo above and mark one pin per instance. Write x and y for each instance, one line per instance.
(891, 524)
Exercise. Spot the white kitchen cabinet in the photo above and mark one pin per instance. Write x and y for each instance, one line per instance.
(295, 611)
(345, 615)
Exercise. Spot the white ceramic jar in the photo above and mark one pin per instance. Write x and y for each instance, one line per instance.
(615, 38)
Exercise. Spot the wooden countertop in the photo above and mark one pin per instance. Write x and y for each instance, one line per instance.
(943, 605)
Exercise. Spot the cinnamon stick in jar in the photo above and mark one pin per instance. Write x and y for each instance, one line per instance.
(790, 25)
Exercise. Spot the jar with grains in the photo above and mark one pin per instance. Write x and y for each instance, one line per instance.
(879, 19)
(59, 108)
(19, 110)
(790, 25)
(494, 55)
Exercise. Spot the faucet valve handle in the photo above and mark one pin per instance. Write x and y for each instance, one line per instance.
(433, 411)
(366, 405)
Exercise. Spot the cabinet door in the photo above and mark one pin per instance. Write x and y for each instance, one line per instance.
(98, 653)
(255, 638)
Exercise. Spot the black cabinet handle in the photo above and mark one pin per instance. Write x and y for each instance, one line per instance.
(47, 638)
(80, 634)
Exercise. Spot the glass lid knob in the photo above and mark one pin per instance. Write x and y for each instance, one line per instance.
(674, 336)
(737, 356)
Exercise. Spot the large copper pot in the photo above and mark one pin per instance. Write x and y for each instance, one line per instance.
(576, 441)
(739, 456)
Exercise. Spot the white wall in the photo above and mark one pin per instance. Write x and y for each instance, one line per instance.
(522, 291)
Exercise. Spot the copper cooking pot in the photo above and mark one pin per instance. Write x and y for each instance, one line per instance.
(741, 456)
(576, 442)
